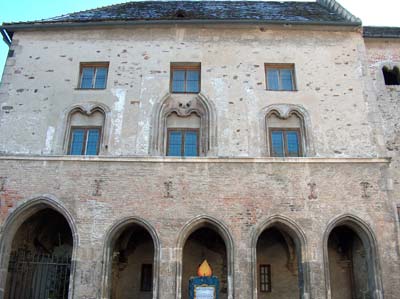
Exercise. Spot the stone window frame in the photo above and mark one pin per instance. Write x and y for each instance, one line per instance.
(368, 238)
(86, 129)
(184, 66)
(281, 66)
(285, 130)
(284, 111)
(88, 109)
(99, 64)
(184, 105)
(183, 131)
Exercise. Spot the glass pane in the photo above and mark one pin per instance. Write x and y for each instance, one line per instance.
(193, 75)
(92, 144)
(78, 137)
(273, 79)
(179, 75)
(191, 144)
(277, 144)
(292, 140)
(175, 143)
(192, 84)
(178, 86)
(87, 77)
(286, 80)
(101, 76)
(178, 81)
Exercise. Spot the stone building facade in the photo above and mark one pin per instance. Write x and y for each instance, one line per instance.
(291, 188)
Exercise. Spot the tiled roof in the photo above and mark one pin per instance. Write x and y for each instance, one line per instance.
(290, 12)
(381, 32)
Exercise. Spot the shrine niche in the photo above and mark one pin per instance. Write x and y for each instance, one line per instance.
(205, 244)
(204, 285)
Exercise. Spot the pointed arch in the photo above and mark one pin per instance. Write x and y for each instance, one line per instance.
(205, 221)
(367, 236)
(111, 237)
(284, 112)
(87, 109)
(16, 218)
(184, 105)
(294, 231)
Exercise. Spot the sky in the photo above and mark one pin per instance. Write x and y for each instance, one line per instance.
(376, 13)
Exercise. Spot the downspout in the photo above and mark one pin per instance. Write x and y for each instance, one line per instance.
(6, 37)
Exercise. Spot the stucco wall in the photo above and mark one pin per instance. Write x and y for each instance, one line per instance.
(40, 81)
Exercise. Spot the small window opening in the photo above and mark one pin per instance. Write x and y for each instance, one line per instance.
(180, 14)
(392, 76)
(265, 278)
(146, 283)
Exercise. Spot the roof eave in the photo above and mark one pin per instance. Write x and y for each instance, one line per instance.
(10, 28)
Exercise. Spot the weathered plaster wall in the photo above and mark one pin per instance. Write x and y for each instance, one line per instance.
(242, 195)
(40, 81)
(384, 102)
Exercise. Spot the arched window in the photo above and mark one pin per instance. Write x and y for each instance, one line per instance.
(85, 130)
(286, 131)
(391, 76)
(184, 125)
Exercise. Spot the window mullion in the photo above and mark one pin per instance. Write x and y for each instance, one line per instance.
(183, 143)
(84, 148)
(285, 148)
(94, 77)
(185, 83)
(279, 79)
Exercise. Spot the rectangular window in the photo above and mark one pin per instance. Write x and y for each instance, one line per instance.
(93, 75)
(280, 77)
(185, 78)
(146, 281)
(84, 141)
(285, 142)
(183, 142)
(265, 278)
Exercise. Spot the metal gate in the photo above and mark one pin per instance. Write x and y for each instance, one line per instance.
(38, 276)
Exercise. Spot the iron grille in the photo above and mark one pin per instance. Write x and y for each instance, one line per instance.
(39, 276)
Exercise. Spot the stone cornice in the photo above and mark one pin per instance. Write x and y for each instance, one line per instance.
(143, 159)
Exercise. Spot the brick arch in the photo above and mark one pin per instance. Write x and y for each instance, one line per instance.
(16, 218)
(112, 235)
(184, 105)
(87, 108)
(284, 111)
(223, 231)
(295, 232)
(367, 236)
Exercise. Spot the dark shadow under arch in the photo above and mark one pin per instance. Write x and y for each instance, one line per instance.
(111, 238)
(289, 227)
(204, 221)
(16, 218)
(367, 236)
